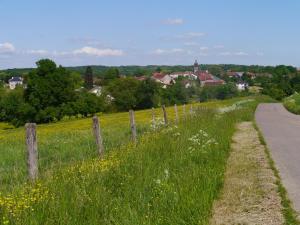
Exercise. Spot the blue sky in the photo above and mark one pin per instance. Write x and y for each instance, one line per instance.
(136, 32)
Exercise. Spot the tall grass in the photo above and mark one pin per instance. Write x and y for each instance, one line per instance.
(171, 176)
(67, 142)
(292, 103)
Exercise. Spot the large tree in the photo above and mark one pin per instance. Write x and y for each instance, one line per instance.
(88, 78)
(49, 87)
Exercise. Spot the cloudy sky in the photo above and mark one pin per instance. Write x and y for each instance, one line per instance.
(138, 32)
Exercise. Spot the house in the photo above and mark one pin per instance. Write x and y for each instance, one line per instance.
(97, 90)
(14, 81)
(207, 79)
(164, 79)
(188, 74)
(241, 86)
(233, 74)
(141, 78)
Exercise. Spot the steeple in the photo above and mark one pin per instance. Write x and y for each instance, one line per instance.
(196, 67)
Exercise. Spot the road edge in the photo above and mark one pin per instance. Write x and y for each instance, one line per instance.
(289, 213)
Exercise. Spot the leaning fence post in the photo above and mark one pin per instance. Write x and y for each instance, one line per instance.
(98, 137)
(32, 151)
(132, 126)
(176, 113)
(165, 114)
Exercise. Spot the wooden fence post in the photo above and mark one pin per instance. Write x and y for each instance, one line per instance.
(176, 114)
(98, 137)
(32, 151)
(165, 114)
(132, 126)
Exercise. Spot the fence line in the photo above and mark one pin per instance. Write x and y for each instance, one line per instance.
(32, 147)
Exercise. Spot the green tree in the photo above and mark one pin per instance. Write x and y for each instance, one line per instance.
(124, 92)
(88, 78)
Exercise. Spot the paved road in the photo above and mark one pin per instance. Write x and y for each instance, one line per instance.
(281, 130)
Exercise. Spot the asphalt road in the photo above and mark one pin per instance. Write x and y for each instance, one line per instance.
(281, 130)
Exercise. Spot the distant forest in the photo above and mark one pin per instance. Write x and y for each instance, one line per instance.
(100, 71)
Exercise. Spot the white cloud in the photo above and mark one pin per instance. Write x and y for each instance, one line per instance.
(203, 48)
(160, 51)
(175, 21)
(98, 52)
(233, 53)
(191, 44)
(191, 35)
(219, 46)
(37, 52)
(7, 48)
(241, 53)
(225, 53)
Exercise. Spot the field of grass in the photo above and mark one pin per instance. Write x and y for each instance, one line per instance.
(292, 103)
(171, 176)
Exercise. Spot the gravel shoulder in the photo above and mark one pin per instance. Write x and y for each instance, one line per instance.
(249, 195)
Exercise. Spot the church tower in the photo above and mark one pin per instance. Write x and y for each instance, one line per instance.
(196, 67)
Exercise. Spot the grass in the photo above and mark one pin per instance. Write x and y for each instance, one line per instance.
(171, 176)
(292, 103)
(289, 213)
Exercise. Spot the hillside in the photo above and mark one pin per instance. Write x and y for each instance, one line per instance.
(171, 176)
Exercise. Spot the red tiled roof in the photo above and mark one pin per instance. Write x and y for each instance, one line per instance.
(142, 78)
(203, 76)
(214, 82)
(158, 76)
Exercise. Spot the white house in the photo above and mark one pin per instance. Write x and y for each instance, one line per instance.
(97, 90)
(188, 74)
(14, 81)
(242, 86)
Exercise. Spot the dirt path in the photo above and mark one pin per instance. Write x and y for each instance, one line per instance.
(249, 195)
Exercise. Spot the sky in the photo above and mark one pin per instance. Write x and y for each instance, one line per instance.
(142, 32)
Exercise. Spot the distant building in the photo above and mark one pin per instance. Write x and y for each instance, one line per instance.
(97, 90)
(164, 79)
(141, 78)
(241, 86)
(196, 67)
(237, 75)
(14, 81)
(188, 74)
(205, 78)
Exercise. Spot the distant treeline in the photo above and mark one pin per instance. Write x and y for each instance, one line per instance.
(100, 71)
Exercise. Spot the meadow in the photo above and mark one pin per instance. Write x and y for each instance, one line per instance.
(171, 176)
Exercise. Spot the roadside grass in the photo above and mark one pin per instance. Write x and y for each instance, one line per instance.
(290, 215)
(172, 175)
(292, 103)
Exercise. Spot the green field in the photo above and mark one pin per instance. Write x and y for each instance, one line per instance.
(171, 176)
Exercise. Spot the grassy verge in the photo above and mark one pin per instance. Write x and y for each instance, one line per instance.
(289, 213)
(292, 103)
(171, 177)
